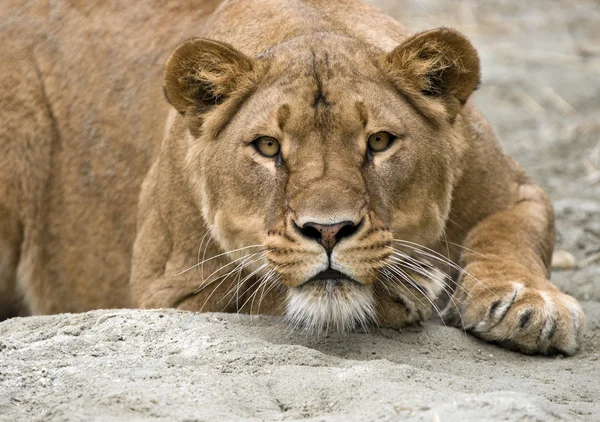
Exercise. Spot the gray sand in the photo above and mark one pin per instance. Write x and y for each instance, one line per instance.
(112, 365)
(541, 91)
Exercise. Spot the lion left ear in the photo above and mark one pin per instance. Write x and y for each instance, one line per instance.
(441, 64)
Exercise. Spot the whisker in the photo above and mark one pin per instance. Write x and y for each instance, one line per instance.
(252, 285)
(215, 257)
(391, 277)
(441, 258)
(243, 259)
(442, 284)
(248, 277)
(399, 283)
(467, 249)
(458, 245)
(272, 282)
(238, 270)
(242, 264)
(192, 294)
(223, 278)
(399, 255)
(200, 248)
(263, 286)
(254, 294)
(418, 287)
(424, 250)
(447, 247)
(422, 271)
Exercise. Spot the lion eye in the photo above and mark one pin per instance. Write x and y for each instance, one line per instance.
(267, 146)
(380, 141)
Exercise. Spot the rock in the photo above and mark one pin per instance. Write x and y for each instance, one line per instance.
(563, 260)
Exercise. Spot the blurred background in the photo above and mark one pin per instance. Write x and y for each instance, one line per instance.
(541, 92)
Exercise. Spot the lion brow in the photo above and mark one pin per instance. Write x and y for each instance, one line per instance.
(363, 113)
(319, 97)
(283, 114)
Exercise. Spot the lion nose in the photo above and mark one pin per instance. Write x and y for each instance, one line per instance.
(328, 235)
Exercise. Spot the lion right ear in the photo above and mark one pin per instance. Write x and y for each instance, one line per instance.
(202, 73)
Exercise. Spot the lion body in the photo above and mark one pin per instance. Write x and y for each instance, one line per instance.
(98, 208)
(83, 115)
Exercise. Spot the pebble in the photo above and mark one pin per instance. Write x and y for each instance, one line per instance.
(563, 260)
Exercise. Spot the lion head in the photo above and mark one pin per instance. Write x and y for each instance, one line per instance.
(332, 155)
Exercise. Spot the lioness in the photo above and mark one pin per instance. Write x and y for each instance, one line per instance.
(314, 160)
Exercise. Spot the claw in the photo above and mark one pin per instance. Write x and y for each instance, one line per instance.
(526, 319)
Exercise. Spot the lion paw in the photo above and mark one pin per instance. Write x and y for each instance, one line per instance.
(526, 319)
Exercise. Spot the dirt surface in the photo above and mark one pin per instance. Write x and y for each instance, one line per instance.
(177, 366)
(541, 91)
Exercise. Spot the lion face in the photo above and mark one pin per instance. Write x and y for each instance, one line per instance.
(325, 152)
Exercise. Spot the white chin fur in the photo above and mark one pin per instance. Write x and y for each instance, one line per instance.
(330, 306)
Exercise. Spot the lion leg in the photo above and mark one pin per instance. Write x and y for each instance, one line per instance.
(10, 226)
(27, 130)
(167, 274)
(10, 241)
(505, 295)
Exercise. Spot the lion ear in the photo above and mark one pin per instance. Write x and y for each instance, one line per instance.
(441, 64)
(202, 73)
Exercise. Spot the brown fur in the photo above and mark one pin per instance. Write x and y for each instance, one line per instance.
(109, 199)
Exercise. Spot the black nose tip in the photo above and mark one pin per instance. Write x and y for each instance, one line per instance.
(328, 235)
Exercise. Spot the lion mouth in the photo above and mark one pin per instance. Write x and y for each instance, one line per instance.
(330, 275)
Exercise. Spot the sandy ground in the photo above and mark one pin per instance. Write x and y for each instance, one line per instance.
(541, 90)
(176, 366)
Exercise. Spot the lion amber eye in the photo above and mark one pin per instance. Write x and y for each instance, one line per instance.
(380, 141)
(267, 146)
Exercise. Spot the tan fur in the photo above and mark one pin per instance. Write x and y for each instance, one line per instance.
(108, 198)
